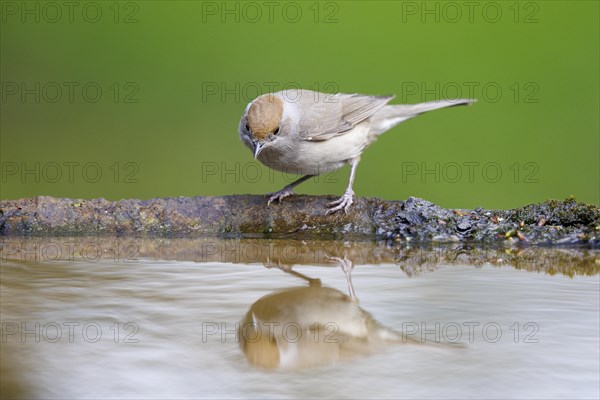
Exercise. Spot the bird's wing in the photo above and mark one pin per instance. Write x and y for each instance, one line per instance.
(325, 116)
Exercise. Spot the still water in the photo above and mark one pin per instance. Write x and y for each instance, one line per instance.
(256, 318)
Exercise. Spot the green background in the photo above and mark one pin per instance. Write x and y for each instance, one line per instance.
(176, 76)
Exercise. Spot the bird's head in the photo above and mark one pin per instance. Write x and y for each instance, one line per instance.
(260, 125)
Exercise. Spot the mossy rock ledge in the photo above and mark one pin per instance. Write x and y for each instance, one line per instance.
(553, 222)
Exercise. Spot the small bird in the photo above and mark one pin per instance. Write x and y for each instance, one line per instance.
(310, 133)
(312, 326)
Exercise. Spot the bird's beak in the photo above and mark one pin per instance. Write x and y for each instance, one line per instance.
(257, 149)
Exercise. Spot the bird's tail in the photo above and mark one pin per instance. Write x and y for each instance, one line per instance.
(391, 115)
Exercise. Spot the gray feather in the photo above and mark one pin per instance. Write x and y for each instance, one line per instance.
(390, 116)
(336, 114)
(324, 116)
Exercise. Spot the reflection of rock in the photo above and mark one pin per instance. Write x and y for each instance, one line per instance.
(309, 326)
(413, 259)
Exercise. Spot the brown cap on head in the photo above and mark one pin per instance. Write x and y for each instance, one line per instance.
(264, 115)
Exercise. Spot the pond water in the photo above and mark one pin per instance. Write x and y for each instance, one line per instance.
(257, 318)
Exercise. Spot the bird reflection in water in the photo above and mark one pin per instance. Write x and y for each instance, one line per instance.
(310, 326)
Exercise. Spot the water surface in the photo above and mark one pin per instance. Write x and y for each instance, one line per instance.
(160, 319)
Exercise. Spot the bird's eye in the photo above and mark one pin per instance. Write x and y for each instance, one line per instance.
(247, 128)
(276, 131)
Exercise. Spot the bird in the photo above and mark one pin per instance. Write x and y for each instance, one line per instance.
(310, 326)
(311, 133)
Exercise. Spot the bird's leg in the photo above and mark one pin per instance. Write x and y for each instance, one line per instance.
(311, 281)
(288, 270)
(346, 200)
(347, 267)
(287, 190)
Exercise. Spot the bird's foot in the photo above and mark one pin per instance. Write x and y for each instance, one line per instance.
(277, 264)
(283, 193)
(343, 202)
(345, 264)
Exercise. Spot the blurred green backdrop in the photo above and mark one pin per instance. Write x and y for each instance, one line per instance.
(142, 99)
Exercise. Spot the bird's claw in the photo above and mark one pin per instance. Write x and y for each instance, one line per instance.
(345, 264)
(343, 202)
(283, 193)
